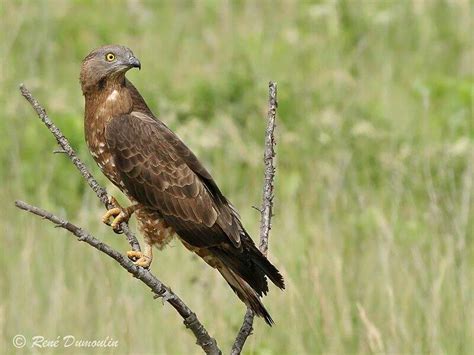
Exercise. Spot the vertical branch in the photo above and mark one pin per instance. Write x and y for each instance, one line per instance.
(266, 210)
(268, 159)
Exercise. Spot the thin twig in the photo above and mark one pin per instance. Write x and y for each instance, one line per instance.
(207, 343)
(266, 209)
(67, 149)
(268, 159)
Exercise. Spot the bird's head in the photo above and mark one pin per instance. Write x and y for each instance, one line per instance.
(106, 63)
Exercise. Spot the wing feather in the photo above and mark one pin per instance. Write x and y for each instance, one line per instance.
(162, 173)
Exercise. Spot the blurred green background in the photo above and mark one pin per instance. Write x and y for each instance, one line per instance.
(373, 225)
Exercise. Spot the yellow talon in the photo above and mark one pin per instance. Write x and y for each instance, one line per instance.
(134, 255)
(141, 259)
(122, 217)
(110, 213)
(119, 214)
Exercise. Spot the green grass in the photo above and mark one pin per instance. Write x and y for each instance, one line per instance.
(373, 225)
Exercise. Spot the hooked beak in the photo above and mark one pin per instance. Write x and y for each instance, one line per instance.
(134, 62)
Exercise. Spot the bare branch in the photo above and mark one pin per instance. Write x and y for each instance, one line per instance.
(207, 343)
(268, 159)
(67, 149)
(267, 206)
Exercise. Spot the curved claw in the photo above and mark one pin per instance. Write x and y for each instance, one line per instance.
(113, 212)
(119, 215)
(123, 216)
(139, 258)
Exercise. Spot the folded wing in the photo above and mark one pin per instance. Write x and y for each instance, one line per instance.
(161, 172)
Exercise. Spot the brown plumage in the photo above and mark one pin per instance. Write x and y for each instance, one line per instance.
(171, 191)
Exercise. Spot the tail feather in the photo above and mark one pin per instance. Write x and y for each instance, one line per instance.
(246, 294)
(245, 267)
(267, 267)
(251, 265)
(245, 270)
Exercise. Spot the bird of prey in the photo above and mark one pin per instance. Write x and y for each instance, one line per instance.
(170, 191)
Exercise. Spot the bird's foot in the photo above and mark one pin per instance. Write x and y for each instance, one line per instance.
(139, 258)
(119, 215)
(142, 259)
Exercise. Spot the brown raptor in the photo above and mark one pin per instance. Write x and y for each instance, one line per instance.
(171, 192)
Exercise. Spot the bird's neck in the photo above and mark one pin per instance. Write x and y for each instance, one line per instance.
(108, 100)
(102, 105)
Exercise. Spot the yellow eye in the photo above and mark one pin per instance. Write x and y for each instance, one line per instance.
(110, 57)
